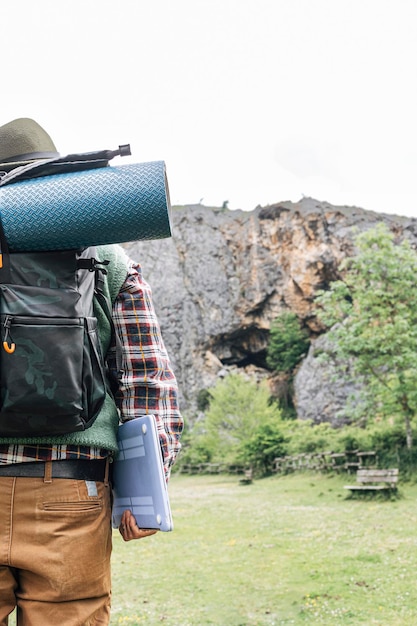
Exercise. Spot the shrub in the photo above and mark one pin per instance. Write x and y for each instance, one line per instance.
(307, 437)
(203, 399)
(266, 443)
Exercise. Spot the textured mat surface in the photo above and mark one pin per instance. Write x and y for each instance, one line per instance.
(107, 205)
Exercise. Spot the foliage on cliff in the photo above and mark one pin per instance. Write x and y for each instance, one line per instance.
(288, 343)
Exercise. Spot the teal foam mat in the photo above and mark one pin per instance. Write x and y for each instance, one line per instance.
(99, 206)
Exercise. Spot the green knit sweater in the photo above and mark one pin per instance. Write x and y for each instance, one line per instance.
(102, 434)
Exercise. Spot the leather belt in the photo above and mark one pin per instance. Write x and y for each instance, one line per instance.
(77, 469)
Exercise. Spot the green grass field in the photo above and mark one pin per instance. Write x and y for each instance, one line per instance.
(284, 550)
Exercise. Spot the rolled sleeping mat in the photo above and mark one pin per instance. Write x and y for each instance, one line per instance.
(112, 204)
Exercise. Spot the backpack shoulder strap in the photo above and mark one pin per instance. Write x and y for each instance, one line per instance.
(4, 257)
(106, 308)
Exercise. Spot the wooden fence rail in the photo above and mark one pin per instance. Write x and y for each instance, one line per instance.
(211, 468)
(348, 461)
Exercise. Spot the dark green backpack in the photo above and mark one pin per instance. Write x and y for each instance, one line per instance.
(53, 375)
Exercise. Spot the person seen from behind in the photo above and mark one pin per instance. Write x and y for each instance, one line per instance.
(55, 514)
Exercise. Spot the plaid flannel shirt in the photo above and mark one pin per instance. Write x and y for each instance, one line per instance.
(148, 384)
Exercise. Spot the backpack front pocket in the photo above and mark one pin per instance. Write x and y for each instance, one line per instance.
(41, 375)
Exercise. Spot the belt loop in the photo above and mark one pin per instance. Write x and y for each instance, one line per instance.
(47, 478)
(106, 472)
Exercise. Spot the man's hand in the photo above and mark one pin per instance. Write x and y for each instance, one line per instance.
(130, 530)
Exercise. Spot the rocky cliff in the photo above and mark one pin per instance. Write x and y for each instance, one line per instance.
(225, 275)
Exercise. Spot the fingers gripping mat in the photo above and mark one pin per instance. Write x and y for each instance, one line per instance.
(99, 206)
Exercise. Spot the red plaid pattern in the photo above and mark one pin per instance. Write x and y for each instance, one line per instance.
(148, 384)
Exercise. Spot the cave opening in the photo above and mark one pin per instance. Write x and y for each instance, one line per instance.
(242, 347)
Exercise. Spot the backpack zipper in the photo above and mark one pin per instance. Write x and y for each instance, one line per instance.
(8, 347)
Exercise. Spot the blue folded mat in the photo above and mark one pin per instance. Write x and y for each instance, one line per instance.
(111, 204)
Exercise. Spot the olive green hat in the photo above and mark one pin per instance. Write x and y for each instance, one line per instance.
(22, 141)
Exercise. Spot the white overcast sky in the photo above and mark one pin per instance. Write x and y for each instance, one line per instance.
(249, 101)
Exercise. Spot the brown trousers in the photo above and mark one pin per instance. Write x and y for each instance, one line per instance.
(55, 547)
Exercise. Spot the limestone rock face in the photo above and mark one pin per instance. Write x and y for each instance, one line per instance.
(320, 395)
(225, 275)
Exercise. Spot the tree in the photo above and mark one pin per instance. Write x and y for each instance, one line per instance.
(238, 408)
(287, 344)
(372, 314)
